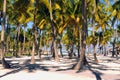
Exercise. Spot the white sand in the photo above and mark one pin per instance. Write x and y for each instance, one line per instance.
(42, 75)
(108, 70)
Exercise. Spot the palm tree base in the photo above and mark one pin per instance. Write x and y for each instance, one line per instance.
(5, 64)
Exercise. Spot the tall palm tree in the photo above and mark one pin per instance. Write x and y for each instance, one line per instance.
(22, 16)
(116, 17)
(93, 24)
(99, 20)
(4, 63)
(34, 33)
(25, 16)
(53, 35)
(81, 60)
(24, 40)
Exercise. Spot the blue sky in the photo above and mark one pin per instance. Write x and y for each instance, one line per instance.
(30, 24)
(111, 1)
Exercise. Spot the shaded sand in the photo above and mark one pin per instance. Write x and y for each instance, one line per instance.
(47, 69)
(42, 75)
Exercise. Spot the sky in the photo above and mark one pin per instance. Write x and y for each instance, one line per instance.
(111, 1)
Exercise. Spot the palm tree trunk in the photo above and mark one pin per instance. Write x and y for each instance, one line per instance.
(15, 47)
(105, 52)
(32, 53)
(7, 37)
(81, 60)
(93, 25)
(39, 49)
(2, 47)
(93, 19)
(54, 38)
(79, 41)
(33, 45)
(18, 49)
(34, 37)
(71, 51)
(23, 50)
(61, 49)
(94, 54)
(113, 51)
(114, 41)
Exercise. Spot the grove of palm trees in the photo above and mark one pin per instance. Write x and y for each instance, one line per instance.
(54, 39)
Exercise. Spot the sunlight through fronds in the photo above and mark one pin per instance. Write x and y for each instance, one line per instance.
(22, 18)
(32, 1)
(114, 12)
(57, 6)
(62, 28)
(42, 23)
(119, 15)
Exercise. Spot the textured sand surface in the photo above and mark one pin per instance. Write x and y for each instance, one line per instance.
(107, 69)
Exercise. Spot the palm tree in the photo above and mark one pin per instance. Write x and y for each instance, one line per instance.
(53, 34)
(24, 40)
(70, 20)
(93, 24)
(100, 19)
(22, 16)
(4, 63)
(34, 33)
(81, 61)
(116, 16)
(25, 16)
(7, 29)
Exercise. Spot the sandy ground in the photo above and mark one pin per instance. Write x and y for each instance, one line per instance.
(47, 69)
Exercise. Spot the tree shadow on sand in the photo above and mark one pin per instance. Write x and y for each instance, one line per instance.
(117, 79)
(64, 69)
(103, 67)
(96, 73)
(25, 66)
(11, 72)
(0, 62)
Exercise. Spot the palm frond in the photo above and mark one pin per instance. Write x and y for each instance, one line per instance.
(46, 2)
(42, 23)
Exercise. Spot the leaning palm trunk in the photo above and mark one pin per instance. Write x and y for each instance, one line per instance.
(2, 44)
